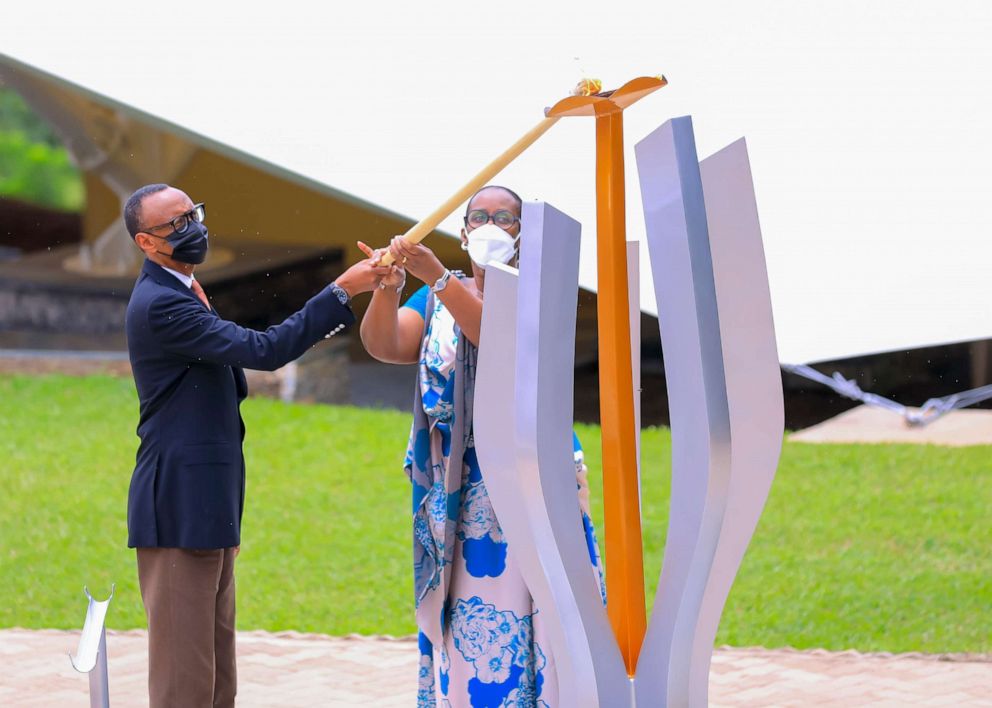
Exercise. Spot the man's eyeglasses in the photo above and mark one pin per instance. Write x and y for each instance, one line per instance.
(179, 224)
(504, 218)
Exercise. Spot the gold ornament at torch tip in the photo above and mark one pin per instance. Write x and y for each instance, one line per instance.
(587, 87)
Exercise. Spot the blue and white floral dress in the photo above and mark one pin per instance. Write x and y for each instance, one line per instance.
(482, 641)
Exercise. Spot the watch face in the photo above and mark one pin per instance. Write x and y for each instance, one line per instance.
(442, 281)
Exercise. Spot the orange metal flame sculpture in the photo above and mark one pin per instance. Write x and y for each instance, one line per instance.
(624, 554)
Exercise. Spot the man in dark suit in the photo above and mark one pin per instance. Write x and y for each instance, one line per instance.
(187, 491)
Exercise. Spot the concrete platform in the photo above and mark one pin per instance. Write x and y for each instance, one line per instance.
(865, 424)
(291, 669)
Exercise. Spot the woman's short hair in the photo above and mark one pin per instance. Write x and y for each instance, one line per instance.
(514, 195)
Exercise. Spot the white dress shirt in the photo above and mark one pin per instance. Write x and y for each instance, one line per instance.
(186, 280)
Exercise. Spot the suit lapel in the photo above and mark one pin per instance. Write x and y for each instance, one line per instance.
(240, 382)
(166, 279)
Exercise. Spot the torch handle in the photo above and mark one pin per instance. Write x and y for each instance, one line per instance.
(419, 230)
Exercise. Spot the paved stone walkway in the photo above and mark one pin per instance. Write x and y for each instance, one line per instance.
(866, 424)
(290, 669)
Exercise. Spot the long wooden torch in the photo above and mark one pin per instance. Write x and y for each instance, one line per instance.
(422, 228)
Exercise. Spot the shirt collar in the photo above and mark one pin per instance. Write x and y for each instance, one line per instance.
(186, 280)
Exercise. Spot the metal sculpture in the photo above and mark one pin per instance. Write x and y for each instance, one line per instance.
(725, 399)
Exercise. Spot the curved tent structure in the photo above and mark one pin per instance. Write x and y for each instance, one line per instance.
(866, 126)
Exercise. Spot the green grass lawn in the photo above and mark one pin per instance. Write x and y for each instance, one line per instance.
(869, 547)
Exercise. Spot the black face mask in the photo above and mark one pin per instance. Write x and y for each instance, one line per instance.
(191, 245)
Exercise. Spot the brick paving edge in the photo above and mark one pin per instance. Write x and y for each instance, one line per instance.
(827, 653)
(855, 654)
(261, 633)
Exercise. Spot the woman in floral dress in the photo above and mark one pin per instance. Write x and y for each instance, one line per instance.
(482, 641)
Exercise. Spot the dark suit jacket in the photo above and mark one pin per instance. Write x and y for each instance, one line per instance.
(187, 490)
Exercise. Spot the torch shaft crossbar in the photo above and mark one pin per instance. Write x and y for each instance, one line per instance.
(419, 231)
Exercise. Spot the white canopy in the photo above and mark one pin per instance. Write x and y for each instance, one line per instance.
(867, 123)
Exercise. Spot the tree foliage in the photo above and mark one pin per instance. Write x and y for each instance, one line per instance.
(34, 165)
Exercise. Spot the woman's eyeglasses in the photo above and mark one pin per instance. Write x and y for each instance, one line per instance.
(504, 218)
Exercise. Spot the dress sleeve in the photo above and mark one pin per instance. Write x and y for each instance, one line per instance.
(418, 301)
(580, 457)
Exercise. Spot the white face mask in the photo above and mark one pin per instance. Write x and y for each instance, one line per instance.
(491, 244)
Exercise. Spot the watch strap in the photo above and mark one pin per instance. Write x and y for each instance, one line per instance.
(340, 293)
(442, 282)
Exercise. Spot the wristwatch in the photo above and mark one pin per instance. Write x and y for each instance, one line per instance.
(340, 293)
(441, 282)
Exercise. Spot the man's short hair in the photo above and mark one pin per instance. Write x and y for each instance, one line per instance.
(514, 195)
(132, 207)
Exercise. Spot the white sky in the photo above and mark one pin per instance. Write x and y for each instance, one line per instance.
(867, 123)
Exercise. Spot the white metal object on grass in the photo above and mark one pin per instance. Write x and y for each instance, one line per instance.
(91, 654)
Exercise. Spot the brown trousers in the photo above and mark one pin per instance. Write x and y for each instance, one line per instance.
(189, 601)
